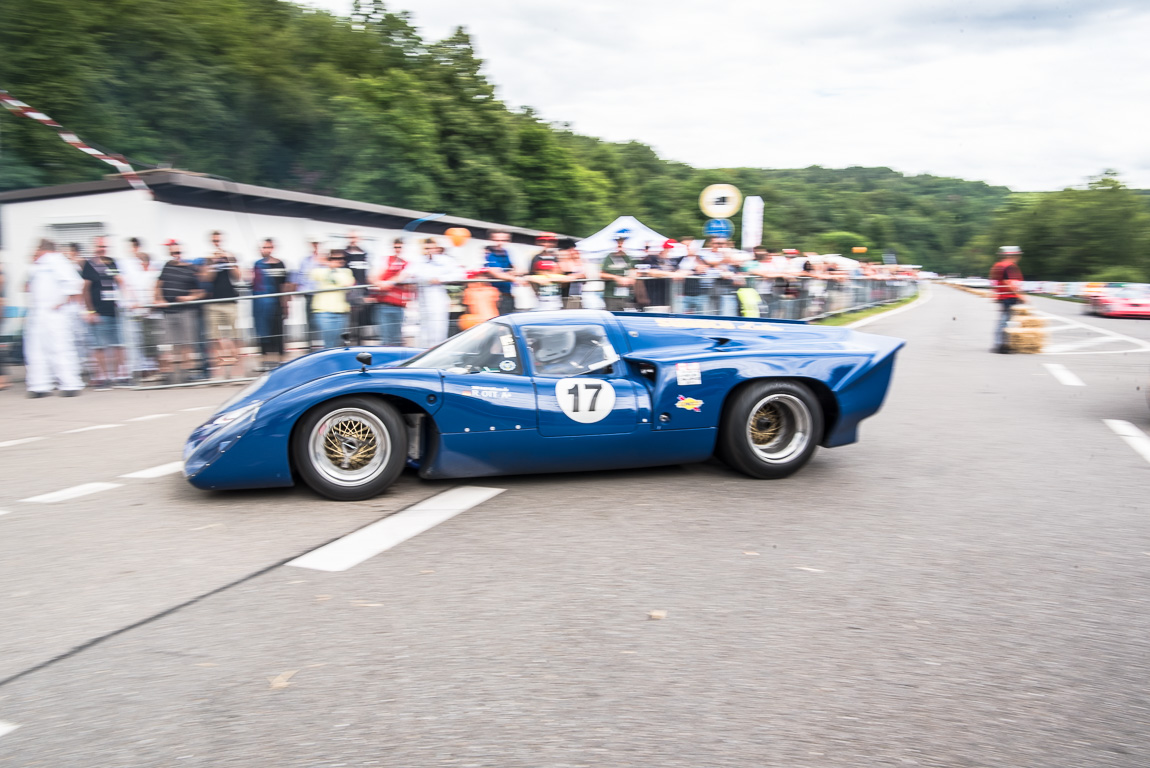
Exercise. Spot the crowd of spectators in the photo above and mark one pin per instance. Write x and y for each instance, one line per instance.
(128, 319)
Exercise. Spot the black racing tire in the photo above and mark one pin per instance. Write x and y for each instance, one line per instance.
(770, 429)
(351, 448)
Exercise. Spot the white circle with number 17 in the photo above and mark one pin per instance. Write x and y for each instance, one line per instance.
(585, 400)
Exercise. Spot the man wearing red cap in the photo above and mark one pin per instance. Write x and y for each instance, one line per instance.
(654, 271)
(1006, 281)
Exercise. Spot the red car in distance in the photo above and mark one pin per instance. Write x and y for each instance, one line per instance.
(1127, 301)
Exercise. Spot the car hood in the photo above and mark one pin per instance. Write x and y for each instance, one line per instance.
(314, 366)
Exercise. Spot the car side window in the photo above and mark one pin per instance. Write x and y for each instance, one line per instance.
(568, 350)
(486, 348)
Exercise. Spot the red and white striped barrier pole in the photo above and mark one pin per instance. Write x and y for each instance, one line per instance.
(117, 161)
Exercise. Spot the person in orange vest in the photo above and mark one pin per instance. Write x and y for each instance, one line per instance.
(1006, 284)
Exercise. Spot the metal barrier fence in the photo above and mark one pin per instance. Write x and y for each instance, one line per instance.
(228, 340)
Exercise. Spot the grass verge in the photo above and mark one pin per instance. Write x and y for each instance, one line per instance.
(850, 317)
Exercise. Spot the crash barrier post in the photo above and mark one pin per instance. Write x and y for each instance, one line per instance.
(190, 346)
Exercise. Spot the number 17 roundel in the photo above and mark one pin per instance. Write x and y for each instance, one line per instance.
(585, 400)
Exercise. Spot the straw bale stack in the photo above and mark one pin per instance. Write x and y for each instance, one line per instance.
(1026, 332)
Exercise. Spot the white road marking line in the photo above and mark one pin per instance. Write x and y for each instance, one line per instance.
(4, 511)
(74, 492)
(805, 568)
(1142, 346)
(21, 441)
(1063, 349)
(89, 429)
(923, 297)
(1064, 375)
(380, 536)
(198, 408)
(150, 416)
(7, 728)
(160, 471)
(1134, 437)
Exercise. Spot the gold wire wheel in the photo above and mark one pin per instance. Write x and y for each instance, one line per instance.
(350, 446)
(766, 425)
(779, 428)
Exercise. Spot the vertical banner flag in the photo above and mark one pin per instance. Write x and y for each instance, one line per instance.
(116, 161)
(752, 222)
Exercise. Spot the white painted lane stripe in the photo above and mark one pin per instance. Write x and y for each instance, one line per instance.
(74, 492)
(925, 292)
(7, 728)
(380, 536)
(198, 408)
(160, 471)
(1062, 349)
(21, 441)
(4, 511)
(89, 429)
(1064, 375)
(1133, 436)
(150, 416)
(1143, 346)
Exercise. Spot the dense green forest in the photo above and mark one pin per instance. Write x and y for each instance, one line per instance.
(267, 92)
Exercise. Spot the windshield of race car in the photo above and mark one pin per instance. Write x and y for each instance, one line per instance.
(486, 348)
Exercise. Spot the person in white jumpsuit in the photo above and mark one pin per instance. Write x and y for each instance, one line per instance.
(428, 275)
(49, 346)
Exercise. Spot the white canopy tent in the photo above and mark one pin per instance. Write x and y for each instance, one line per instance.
(638, 235)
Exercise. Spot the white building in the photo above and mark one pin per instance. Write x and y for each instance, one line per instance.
(187, 207)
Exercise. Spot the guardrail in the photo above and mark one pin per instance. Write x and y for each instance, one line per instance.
(181, 345)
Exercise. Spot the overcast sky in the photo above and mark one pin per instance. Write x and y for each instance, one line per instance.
(1032, 94)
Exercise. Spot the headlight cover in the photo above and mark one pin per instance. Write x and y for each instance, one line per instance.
(229, 416)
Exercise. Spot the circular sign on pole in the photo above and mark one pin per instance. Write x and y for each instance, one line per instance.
(719, 228)
(720, 201)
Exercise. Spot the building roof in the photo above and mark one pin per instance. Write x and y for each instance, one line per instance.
(201, 191)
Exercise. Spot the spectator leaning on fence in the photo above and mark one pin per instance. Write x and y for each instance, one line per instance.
(49, 348)
(269, 276)
(498, 265)
(103, 286)
(219, 274)
(391, 298)
(330, 307)
(142, 328)
(688, 271)
(302, 281)
(657, 269)
(430, 275)
(360, 317)
(618, 272)
(178, 283)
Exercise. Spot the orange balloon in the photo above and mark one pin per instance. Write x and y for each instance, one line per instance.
(459, 235)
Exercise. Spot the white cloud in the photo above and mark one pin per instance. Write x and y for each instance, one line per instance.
(1034, 94)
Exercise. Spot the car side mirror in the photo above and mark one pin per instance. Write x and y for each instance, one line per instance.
(364, 359)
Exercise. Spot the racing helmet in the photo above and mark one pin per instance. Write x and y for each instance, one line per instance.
(554, 344)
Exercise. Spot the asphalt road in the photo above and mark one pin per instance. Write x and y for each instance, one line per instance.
(967, 586)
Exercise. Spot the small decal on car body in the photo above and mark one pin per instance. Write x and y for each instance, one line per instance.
(689, 404)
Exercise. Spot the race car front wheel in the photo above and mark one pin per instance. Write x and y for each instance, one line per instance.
(770, 429)
(351, 448)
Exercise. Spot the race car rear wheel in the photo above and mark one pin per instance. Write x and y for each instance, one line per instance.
(351, 448)
(770, 429)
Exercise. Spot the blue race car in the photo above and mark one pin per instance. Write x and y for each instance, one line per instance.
(571, 390)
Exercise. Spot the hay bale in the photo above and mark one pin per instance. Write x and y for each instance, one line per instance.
(1025, 340)
(1031, 321)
